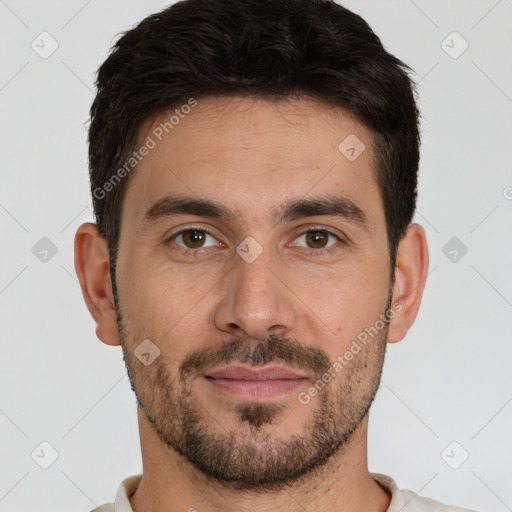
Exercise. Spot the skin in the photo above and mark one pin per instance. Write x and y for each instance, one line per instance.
(252, 156)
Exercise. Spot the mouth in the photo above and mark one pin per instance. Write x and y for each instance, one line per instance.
(256, 383)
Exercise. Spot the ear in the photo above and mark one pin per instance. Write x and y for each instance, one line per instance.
(410, 276)
(93, 271)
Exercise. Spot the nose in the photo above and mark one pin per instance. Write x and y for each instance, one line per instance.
(256, 300)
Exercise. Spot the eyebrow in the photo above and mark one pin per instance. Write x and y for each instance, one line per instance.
(338, 206)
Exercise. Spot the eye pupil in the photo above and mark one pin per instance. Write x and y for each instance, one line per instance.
(193, 238)
(313, 237)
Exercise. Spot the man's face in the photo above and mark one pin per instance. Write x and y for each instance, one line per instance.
(269, 286)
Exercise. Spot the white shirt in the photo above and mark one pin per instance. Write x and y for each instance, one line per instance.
(401, 500)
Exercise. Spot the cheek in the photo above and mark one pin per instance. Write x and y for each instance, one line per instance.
(158, 291)
(167, 306)
(346, 303)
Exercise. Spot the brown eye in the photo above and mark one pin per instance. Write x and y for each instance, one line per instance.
(192, 238)
(317, 239)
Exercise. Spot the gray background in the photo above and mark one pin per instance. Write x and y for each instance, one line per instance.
(449, 380)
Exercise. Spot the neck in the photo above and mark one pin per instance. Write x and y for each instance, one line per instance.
(171, 483)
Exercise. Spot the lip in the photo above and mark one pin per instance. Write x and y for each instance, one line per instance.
(255, 383)
(239, 372)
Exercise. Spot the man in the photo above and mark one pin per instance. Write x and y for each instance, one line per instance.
(253, 169)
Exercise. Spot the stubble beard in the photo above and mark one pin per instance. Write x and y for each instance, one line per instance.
(248, 456)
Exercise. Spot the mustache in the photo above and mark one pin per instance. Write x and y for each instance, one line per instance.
(287, 351)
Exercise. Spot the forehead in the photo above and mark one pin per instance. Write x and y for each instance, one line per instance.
(252, 154)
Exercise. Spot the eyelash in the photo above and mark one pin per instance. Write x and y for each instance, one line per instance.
(319, 252)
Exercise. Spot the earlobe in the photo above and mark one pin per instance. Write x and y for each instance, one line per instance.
(410, 276)
(93, 271)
